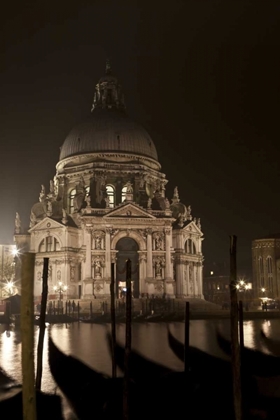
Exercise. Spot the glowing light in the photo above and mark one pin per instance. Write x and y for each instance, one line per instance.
(15, 251)
(9, 285)
(263, 289)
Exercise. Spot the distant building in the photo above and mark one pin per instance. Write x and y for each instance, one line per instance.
(266, 266)
(7, 271)
(107, 203)
(216, 282)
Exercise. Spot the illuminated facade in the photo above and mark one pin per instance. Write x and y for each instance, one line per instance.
(107, 203)
(7, 271)
(266, 266)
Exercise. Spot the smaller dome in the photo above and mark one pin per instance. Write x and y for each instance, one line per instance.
(39, 210)
(178, 209)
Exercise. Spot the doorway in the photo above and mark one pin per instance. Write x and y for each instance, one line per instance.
(127, 249)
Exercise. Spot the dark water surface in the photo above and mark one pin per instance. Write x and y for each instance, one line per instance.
(88, 343)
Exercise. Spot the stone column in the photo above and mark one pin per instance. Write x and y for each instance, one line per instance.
(199, 279)
(108, 254)
(181, 290)
(149, 254)
(66, 272)
(168, 265)
(187, 280)
(142, 272)
(195, 279)
(88, 270)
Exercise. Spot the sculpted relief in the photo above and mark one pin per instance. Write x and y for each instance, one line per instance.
(158, 240)
(98, 239)
(98, 263)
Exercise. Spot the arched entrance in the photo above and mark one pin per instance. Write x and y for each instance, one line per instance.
(127, 249)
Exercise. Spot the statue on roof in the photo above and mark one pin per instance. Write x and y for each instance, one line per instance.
(51, 187)
(42, 195)
(129, 188)
(32, 220)
(181, 219)
(87, 200)
(64, 216)
(17, 224)
(49, 208)
(189, 213)
(80, 195)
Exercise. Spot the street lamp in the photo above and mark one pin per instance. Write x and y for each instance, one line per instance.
(242, 286)
(61, 288)
(15, 251)
(10, 287)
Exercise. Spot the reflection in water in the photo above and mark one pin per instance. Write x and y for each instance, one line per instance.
(88, 343)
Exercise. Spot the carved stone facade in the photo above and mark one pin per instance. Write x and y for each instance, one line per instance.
(266, 266)
(109, 192)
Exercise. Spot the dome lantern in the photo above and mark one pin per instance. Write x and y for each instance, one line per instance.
(108, 129)
(108, 92)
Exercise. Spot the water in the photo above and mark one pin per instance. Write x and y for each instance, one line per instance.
(88, 343)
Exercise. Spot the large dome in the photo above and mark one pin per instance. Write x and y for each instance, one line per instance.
(111, 131)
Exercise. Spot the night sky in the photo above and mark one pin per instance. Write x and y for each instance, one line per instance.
(201, 76)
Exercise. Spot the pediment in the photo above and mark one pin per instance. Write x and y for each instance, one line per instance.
(46, 224)
(192, 228)
(130, 210)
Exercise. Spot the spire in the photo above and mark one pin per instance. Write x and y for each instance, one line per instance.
(108, 91)
(108, 69)
(175, 198)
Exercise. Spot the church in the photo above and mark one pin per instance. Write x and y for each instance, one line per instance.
(107, 203)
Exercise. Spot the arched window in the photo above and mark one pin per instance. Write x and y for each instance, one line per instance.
(269, 274)
(261, 273)
(49, 244)
(124, 189)
(110, 190)
(72, 196)
(269, 265)
(71, 200)
(190, 247)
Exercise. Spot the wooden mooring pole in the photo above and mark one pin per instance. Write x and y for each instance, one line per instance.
(27, 336)
(113, 321)
(235, 349)
(241, 330)
(42, 325)
(187, 337)
(126, 399)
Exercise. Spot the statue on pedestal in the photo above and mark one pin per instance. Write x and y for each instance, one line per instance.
(158, 269)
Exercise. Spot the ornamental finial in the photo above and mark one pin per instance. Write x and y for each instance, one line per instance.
(108, 69)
